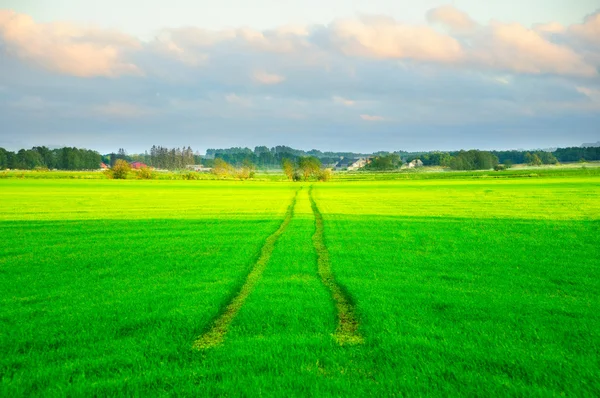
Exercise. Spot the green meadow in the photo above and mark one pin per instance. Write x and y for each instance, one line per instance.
(394, 286)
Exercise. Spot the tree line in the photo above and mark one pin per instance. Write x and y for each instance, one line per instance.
(475, 159)
(265, 157)
(159, 157)
(41, 157)
(71, 158)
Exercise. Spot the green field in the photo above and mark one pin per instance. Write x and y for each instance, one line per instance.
(451, 286)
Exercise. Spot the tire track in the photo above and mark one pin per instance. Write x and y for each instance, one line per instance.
(216, 333)
(347, 330)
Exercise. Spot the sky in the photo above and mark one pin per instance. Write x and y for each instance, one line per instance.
(331, 74)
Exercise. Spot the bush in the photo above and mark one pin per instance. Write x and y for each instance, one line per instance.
(325, 175)
(190, 175)
(499, 167)
(222, 169)
(243, 173)
(288, 168)
(120, 169)
(144, 173)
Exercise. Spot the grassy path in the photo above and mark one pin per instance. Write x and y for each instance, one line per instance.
(347, 329)
(216, 334)
(346, 332)
(280, 342)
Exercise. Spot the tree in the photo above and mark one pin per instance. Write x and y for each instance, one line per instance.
(309, 166)
(533, 159)
(120, 170)
(474, 160)
(389, 161)
(288, 168)
(3, 159)
(221, 168)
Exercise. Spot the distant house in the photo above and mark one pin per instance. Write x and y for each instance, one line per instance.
(137, 165)
(351, 164)
(199, 168)
(414, 163)
(103, 166)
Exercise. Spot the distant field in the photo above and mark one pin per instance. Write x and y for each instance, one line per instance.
(464, 286)
(588, 169)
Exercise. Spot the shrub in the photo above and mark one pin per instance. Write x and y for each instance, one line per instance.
(288, 168)
(243, 173)
(222, 168)
(144, 173)
(120, 169)
(325, 175)
(499, 167)
(190, 175)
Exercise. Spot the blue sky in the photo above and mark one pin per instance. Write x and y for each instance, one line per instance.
(333, 75)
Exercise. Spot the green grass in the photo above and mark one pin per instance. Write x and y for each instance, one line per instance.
(460, 287)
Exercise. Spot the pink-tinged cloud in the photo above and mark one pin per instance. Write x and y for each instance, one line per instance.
(550, 27)
(286, 39)
(518, 49)
(66, 48)
(452, 18)
(382, 37)
(589, 29)
(263, 77)
(372, 118)
(343, 101)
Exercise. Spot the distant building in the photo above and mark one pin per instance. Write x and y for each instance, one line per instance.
(352, 164)
(103, 166)
(199, 168)
(137, 165)
(415, 163)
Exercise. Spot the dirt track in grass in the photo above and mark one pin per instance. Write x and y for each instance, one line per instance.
(215, 335)
(347, 332)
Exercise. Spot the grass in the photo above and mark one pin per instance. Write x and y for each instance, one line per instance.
(347, 330)
(216, 334)
(466, 286)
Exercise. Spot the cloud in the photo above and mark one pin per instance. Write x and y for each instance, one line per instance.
(589, 29)
(383, 37)
(351, 75)
(515, 48)
(454, 19)
(511, 46)
(550, 27)
(343, 101)
(67, 48)
(285, 39)
(372, 118)
(237, 100)
(267, 78)
(169, 49)
(592, 93)
(236, 54)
